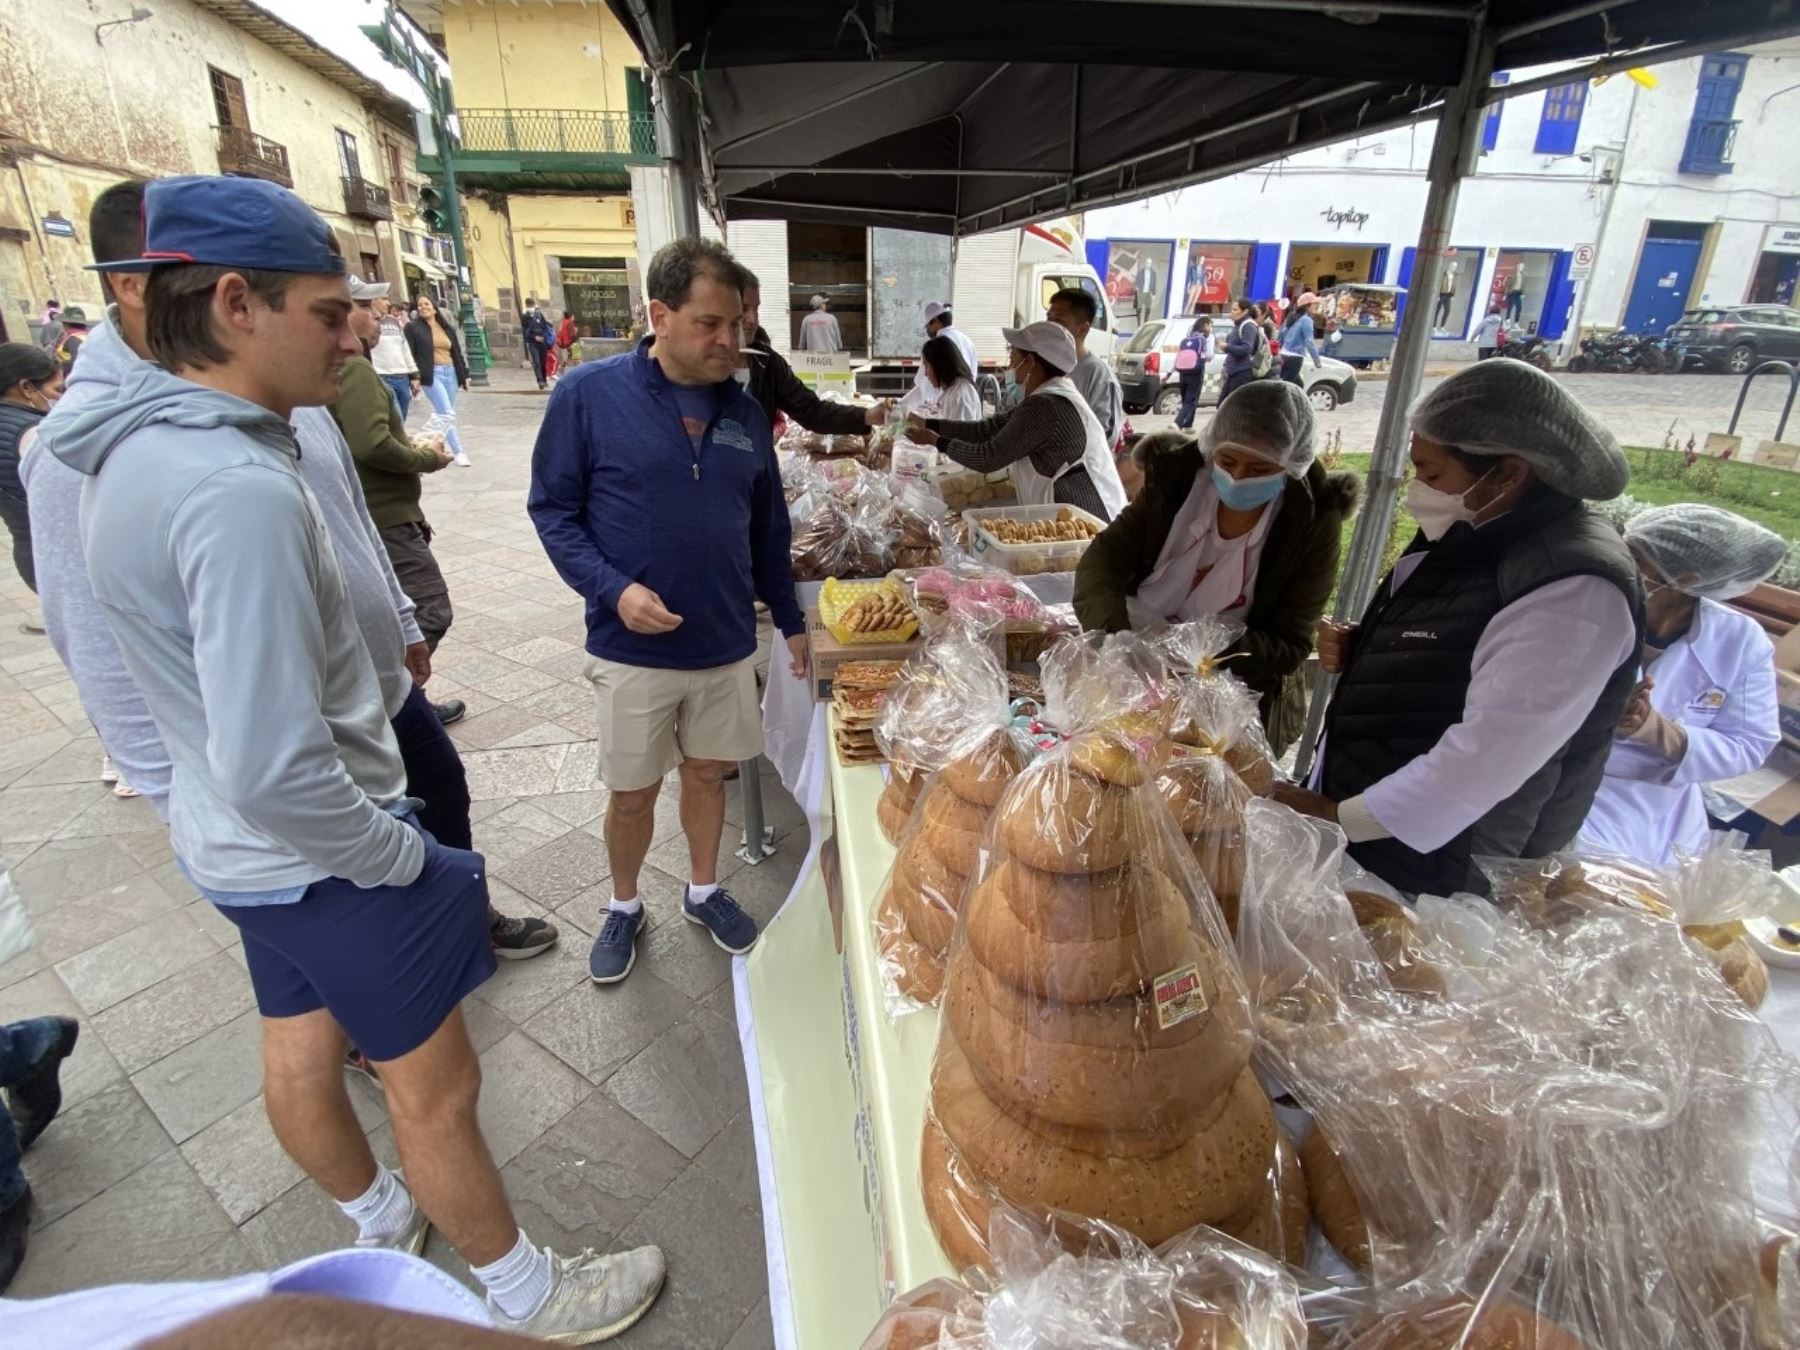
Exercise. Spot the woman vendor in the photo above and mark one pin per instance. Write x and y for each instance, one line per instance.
(1243, 523)
(1051, 444)
(1705, 709)
(1478, 696)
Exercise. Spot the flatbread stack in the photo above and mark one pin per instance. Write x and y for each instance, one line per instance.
(856, 692)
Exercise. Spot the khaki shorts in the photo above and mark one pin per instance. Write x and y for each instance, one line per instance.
(651, 719)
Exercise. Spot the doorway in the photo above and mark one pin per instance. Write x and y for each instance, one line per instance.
(1666, 268)
(597, 291)
(832, 261)
(1317, 267)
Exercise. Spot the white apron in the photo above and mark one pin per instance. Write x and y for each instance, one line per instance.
(1036, 489)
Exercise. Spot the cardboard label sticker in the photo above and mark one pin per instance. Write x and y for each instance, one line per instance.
(1179, 996)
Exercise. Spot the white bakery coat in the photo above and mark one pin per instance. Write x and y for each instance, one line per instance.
(923, 393)
(1718, 682)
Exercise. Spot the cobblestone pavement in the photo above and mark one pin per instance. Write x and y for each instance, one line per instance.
(1639, 409)
(618, 1116)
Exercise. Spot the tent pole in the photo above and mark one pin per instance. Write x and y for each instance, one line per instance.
(1452, 156)
(678, 142)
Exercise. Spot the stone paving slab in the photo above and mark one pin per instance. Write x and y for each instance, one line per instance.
(618, 1115)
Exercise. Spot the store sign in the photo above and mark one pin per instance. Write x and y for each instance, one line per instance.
(1349, 217)
(627, 216)
(1212, 281)
(1581, 262)
(1781, 239)
(58, 226)
(826, 372)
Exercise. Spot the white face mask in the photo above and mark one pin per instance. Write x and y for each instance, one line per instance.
(1437, 511)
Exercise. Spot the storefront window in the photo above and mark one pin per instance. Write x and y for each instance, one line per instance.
(1317, 267)
(599, 297)
(1452, 307)
(1520, 284)
(1216, 275)
(1360, 307)
(1137, 278)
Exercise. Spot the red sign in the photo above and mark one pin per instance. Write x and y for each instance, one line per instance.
(1212, 283)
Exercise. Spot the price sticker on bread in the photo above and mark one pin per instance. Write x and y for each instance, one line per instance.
(1179, 996)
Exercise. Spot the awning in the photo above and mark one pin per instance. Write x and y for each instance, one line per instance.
(948, 115)
(424, 266)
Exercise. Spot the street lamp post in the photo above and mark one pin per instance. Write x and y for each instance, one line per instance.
(395, 42)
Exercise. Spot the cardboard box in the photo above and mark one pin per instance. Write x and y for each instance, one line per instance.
(1787, 696)
(826, 653)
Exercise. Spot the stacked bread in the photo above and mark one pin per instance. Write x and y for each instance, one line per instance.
(939, 843)
(1096, 1035)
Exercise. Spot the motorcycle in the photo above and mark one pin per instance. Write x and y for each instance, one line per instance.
(1526, 347)
(1661, 355)
(1616, 353)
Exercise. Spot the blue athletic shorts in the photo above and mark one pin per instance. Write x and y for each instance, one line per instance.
(388, 962)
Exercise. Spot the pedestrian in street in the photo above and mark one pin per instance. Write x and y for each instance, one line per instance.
(1297, 340)
(30, 383)
(1478, 697)
(1051, 445)
(778, 390)
(209, 556)
(819, 329)
(1487, 333)
(1244, 524)
(443, 371)
(392, 357)
(390, 468)
(50, 332)
(539, 339)
(1245, 347)
(655, 491)
(75, 330)
(1075, 310)
(567, 335)
(1191, 359)
(31, 1058)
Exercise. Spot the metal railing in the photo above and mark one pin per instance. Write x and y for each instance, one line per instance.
(366, 199)
(243, 151)
(557, 131)
(1709, 147)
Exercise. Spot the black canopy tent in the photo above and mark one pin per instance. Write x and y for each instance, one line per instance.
(961, 116)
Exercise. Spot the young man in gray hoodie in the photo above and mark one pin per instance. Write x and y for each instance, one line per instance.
(211, 562)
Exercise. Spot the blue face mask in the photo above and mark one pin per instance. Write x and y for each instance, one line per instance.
(1249, 493)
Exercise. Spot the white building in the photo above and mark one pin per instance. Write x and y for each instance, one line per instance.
(1689, 193)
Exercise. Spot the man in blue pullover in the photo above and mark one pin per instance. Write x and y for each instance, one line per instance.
(655, 491)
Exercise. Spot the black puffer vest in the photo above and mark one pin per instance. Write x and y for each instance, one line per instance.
(1408, 671)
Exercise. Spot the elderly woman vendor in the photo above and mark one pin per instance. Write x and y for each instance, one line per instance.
(1479, 694)
(1243, 523)
(1706, 708)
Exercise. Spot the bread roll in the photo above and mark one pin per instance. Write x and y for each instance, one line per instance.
(1108, 757)
(1393, 935)
(1453, 1324)
(1077, 906)
(891, 814)
(1253, 767)
(951, 827)
(1215, 1173)
(916, 972)
(1741, 967)
(1062, 821)
(1296, 1210)
(1220, 857)
(1100, 1066)
(955, 1205)
(982, 775)
(1078, 969)
(928, 894)
(1334, 1203)
(1204, 794)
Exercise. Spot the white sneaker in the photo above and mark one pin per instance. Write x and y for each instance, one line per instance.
(592, 1297)
(410, 1239)
(461, 460)
(109, 773)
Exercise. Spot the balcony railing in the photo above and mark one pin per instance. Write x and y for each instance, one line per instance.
(1709, 147)
(243, 151)
(366, 199)
(565, 131)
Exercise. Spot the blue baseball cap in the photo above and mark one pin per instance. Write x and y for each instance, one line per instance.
(230, 222)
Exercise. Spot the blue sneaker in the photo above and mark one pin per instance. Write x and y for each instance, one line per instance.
(616, 948)
(721, 916)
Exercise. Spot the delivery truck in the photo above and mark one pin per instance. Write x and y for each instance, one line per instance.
(877, 281)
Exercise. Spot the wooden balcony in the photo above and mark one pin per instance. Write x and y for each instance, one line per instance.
(242, 151)
(365, 199)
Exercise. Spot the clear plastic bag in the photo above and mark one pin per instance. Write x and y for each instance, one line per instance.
(1063, 1282)
(841, 535)
(1215, 711)
(1568, 1147)
(970, 590)
(1095, 1034)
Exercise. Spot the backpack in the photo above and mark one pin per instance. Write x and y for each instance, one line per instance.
(1261, 359)
(1187, 356)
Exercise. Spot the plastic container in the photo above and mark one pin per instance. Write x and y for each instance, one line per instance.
(835, 597)
(1025, 560)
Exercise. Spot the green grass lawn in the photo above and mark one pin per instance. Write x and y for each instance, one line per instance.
(1768, 496)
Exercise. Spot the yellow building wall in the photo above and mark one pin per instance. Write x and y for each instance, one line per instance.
(140, 104)
(536, 55)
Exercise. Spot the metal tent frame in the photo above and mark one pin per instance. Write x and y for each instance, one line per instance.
(897, 112)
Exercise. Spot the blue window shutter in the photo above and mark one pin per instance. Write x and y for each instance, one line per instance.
(1264, 259)
(1559, 298)
(1560, 123)
(1490, 125)
(1407, 256)
(1712, 128)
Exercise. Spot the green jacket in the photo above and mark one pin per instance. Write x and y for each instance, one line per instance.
(1293, 579)
(386, 461)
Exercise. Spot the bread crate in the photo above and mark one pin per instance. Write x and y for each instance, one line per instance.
(1024, 560)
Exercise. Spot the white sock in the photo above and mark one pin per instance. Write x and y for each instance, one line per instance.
(698, 894)
(383, 1210)
(518, 1282)
(631, 906)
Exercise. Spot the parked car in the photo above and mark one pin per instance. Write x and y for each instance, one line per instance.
(1146, 371)
(1736, 337)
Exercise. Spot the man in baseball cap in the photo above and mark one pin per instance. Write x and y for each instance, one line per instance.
(288, 806)
(1051, 444)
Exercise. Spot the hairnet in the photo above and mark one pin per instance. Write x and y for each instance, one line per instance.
(1270, 418)
(1705, 551)
(1505, 407)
